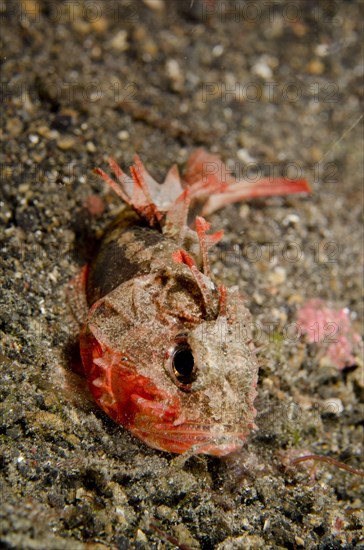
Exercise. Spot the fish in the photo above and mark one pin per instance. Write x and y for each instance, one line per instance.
(168, 351)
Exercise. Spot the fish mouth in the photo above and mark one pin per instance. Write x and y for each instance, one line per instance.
(194, 438)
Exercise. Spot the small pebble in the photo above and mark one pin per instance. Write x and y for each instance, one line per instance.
(46, 132)
(244, 211)
(278, 276)
(322, 50)
(66, 143)
(123, 135)
(100, 24)
(156, 5)
(295, 299)
(245, 156)
(140, 536)
(81, 26)
(14, 126)
(90, 147)
(217, 50)
(291, 219)
(258, 298)
(184, 537)
(316, 154)
(120, 41)
(315, 67)
(165, 512)
(299, 28)
(333, 406)
(174, 72)
(263, 70)
(34, 139)
(150, 48)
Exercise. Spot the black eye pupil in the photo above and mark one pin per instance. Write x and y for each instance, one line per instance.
(183, 362)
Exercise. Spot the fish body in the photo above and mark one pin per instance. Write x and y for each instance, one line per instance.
(167, 352)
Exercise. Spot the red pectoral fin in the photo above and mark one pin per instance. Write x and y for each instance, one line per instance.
(213, 186)
(150, 411)
(244, 190)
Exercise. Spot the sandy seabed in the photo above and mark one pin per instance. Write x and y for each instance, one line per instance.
(274, 87)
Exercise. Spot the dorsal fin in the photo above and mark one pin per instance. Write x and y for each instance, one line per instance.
(209, 183)
(206, 183)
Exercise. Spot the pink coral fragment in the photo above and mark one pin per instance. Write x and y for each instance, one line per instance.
(332, 330)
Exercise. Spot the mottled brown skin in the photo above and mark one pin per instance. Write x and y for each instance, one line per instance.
(111, 266)
(145, 305)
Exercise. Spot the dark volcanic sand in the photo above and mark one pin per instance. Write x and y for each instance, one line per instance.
(266, 85)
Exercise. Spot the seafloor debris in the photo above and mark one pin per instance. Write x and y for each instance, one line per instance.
(331, 329)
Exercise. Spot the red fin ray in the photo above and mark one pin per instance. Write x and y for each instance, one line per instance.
(141, 200)
(126, 182)
(206, 242)
(153, 187)
(204, 283)
(176, 218)
(114, 186)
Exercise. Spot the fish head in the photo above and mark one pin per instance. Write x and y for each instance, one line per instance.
(178, 386)
(214, 369)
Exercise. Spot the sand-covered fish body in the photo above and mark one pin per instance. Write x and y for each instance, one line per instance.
(166, 351)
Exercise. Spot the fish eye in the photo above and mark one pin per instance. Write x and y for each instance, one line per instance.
(183, 363)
